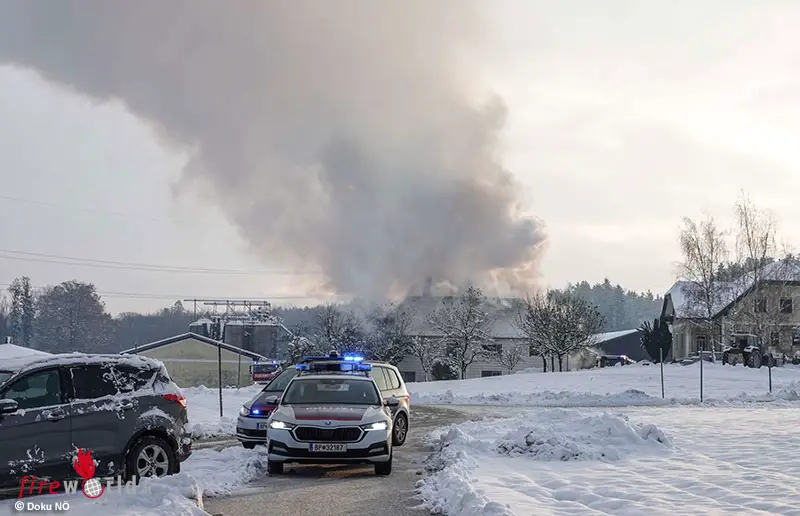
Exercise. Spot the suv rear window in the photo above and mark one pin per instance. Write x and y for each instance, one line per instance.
(94, 381)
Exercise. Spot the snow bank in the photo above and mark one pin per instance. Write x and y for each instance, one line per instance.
(547, 435)
(203, 408)
(206, 473)
(592, 437)
(634, 385)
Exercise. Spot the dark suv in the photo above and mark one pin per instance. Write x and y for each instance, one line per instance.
(125, 410)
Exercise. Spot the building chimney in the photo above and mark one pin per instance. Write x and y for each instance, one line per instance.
(426, 290)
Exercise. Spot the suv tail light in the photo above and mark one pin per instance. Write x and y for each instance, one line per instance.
(177, 398)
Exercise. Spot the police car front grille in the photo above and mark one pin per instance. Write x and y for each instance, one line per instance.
(338, 435)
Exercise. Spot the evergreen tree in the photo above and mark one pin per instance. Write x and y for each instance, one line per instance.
(23, 311)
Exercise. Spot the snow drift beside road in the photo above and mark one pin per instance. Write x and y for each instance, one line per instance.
(206, 473)
(546, 435)
(634, 385)
(202, 404)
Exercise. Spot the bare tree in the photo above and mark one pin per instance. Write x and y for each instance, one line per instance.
(389, 333)
(704, 254)
(428, 350)
(509, 356)
(767, 272)
(533, 320)
(338, 328)
(558, 324)
(465, 328)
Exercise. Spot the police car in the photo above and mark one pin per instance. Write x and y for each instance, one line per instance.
(332, 412)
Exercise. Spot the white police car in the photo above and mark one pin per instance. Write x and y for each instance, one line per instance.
(332, 412)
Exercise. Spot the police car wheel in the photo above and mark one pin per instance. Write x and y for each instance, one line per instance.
(275, 468)
(384, 468)
(400, 430)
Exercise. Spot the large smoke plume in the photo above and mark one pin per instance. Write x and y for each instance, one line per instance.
(340, 134)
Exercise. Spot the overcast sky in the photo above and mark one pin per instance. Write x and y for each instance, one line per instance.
(622, 120)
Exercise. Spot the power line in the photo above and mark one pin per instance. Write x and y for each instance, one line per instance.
(88, 210)
(133, 266)
(137, 295)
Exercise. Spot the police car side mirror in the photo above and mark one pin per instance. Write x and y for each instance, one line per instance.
(391, 402)
(8, 406)
(272, 400)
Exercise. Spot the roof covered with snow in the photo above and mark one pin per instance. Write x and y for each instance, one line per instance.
(9, 351)
(678, 299)
(599, 338)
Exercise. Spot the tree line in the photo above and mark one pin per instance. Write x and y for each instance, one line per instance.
(448, 339)
(457, 333)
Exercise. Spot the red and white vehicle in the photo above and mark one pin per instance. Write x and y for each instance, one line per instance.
(264, 372)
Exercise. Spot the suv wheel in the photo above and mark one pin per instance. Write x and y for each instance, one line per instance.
(399, 430)
(249, 446)
(274, 468)
(151, 456)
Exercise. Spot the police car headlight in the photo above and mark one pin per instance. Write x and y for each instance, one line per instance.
(380, 425)
(280, 425)
(244, 411)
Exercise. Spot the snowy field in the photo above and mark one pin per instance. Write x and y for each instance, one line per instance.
(607, 387)
(616, 386)
(632, 461)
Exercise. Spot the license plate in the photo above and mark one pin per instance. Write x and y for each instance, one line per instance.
(261, 426)
(327, 447)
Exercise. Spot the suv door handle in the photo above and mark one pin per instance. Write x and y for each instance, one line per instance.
(56, 416)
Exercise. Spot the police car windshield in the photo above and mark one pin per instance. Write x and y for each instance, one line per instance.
(345, 391)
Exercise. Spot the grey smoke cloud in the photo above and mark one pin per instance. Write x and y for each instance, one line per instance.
(341, 134)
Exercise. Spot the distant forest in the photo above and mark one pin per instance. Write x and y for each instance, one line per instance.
(72, 317)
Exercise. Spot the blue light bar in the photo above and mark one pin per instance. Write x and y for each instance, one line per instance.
(301, 367)
(353, 357)
(317, 358)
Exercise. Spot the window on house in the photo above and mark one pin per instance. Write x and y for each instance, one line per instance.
(774, 338)
(786, 305)
(493, 348)
(760, 305)
(796, 336)
(486, 374)
(701, 343)
(409, 376)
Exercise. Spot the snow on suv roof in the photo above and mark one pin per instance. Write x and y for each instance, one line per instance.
(30, 362)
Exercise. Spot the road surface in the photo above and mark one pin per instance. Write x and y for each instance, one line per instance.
(343, 490)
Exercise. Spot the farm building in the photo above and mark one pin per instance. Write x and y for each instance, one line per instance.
(193, 360)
